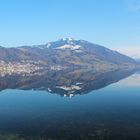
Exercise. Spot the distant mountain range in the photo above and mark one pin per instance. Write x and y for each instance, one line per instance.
(64, 53)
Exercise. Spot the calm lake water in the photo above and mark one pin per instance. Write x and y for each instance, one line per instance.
(89, 107)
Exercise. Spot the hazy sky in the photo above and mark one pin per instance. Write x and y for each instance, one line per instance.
(112, 23)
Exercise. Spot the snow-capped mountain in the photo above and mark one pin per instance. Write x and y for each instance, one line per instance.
(62, 42)
(66, 52)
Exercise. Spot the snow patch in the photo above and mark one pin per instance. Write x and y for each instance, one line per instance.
(78, 51)
(48, 45)
(64, 39)
(49, 90)
(69, 39)
(68, 88)
(71, 47)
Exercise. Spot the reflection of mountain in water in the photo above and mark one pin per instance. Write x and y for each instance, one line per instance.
(65, 82)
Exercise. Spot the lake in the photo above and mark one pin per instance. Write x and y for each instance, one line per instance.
(70, 105)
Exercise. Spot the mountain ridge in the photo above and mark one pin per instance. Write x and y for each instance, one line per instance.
(66, 53)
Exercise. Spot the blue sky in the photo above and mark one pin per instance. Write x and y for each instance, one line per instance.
(112, 23)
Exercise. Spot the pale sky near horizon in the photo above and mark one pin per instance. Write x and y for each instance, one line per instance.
(112, 23)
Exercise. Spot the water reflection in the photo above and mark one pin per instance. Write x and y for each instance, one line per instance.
(133, 81)
(111, 114)
(64, 82)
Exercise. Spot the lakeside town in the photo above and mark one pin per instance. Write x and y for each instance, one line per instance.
(17, 67)
(24, 67)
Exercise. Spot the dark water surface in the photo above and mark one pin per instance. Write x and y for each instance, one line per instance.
(47, 111)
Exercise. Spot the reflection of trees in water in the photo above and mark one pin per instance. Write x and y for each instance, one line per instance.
(64, 82)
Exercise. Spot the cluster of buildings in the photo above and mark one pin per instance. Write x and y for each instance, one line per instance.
(17, 68)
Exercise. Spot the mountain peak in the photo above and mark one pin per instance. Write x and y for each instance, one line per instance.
(67, 39)
(62, 42)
